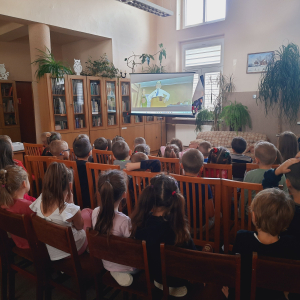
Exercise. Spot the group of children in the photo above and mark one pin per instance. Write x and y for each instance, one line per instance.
(160, 215)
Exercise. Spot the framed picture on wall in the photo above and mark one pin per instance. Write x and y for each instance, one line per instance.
(257, 62)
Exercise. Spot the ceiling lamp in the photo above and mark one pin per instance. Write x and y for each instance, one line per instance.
(149, 7)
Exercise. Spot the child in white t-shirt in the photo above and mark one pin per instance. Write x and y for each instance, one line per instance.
(55, 204)
(112, 186)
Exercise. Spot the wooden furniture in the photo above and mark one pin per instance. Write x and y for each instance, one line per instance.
(77, 191)
(168, 165)
(240, 219)
(19, 155)
(274, 274)
(238, 170)
(122, 251)
(33, 149)
(79, 267)
(103, 156)
(195, 266)
(250, 167)
(217, 170)
(16, 225)
(97, 107)
(9, 115)
(93, 170)
(72, 156)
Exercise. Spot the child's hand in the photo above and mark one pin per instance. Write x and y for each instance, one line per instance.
(284, 168)
(298, 155)
(132, 166)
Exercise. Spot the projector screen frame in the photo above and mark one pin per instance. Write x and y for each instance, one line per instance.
(161, 114)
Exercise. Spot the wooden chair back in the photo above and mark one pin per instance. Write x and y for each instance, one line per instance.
(103, 157)
(250, 167)
(119, 250)
(93, 170)
(36, 167)
(77, 191)
(234, 199)
(193, 188)
(139, 181)
(275, 274)
(33, 149)
(238, 170)
(220, 269)
(72, 156)
(168, 165)
(217, 171)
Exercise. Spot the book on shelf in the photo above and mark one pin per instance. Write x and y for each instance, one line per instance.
(95, 90)
(125, 105)
(9, 107)
(111, 103)
(60, 125)
(58, 86)
(111, 120)
(78, 108)
(59, 106)
(95, 106)
(97, 121)
(79, 123)
(125, 89)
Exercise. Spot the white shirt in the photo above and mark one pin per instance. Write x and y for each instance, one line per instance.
(61, 219)
(159, 93)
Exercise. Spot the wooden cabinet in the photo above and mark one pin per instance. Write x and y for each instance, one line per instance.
(9, 117)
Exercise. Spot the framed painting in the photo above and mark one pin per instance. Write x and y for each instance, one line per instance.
(257, 62)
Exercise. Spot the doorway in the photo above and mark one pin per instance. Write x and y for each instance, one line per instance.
(26, 111)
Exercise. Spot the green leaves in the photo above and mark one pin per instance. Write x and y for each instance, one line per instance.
(279, 87)
(203, 115)
(47, 64)
(236, 116)
(155, 69)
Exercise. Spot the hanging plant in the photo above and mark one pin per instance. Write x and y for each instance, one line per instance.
(236, 116)
(279, 87)
(202, 116)
(47, 64)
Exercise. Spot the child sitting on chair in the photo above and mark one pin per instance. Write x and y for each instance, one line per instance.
(219, 155)
(60, 149)
(121, 153)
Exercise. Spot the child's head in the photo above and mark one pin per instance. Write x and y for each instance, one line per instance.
(178, 143)
(120, 150)
(109, 145)
(6, 153)
(204, 148)
(265, 153)
(192, 161)
(82, 147)
(138, 157)
(163, 195)
(81, 136)
(272, 211)
(12, 180)
(117, 138)
(172, 151)
(44, 138)
(101, 144)
(144, 148)
(219, 155)
(239, 144)
(292, 178)
(55, 136)
(288, 145)
(60, 149)
(57, 184)
(138, 141)
(112, 186)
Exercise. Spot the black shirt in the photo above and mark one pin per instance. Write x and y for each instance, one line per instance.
(84, 185)
(245, 244)
(156, 231)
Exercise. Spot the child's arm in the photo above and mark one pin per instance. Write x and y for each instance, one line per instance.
(77, 220)
(153, 165)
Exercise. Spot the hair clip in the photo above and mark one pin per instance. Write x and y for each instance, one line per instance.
(173, 193)
(215, 150)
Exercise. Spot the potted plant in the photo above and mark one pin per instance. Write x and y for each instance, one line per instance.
(47, 64)
(202, 117)
(236, 116)
(279, 87)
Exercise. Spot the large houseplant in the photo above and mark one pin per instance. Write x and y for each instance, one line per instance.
(202, 116)
(236, 116)
(279, 87)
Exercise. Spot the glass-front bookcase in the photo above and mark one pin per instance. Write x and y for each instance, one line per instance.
(8, 104)
(95, 103)
(111, 103)
(126, 103)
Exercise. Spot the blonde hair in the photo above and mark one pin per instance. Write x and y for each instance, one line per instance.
(11, 179)
(57, 146)
(265, 152)
(45, 134)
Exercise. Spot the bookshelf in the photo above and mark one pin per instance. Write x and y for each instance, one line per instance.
(111, 103)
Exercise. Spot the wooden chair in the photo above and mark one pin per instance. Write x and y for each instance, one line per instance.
(275, 274)
(103, 157)
(72, 156)
(33, 149)
(168, 165)
(196, 266)
(238, 170)
(72, 165)
(123, 251)
(250, 167)
(231, 199)
(17, 225)
(215, 170)
(79, 267)
(36, 167)
(93, 170)
(189, 187)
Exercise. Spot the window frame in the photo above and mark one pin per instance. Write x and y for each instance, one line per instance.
(204, 15)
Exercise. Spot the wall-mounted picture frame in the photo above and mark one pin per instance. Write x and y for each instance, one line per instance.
(257, 62)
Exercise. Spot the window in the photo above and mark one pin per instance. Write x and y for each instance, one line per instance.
(203, 56)
(203, 11)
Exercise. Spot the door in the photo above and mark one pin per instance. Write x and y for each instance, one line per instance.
(26, 111)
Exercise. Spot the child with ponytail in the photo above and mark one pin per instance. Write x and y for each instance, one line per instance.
(106, 219)
(56, 205)
(160, 218)
(14, 185)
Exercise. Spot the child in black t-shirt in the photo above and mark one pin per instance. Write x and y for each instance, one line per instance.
(272, 212)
